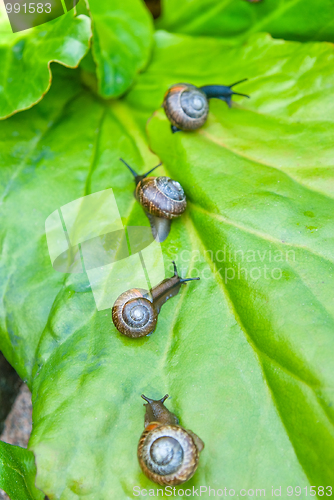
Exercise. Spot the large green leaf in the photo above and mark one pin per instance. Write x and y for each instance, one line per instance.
(25, 73)
(17, 473)
(289, 19)
(246, 358)
(123, 37)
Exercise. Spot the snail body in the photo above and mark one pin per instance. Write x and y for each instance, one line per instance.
(162, 198)
(167, 453)
(135, 312)
(187, 106)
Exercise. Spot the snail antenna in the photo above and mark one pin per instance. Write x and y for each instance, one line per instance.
(239, 93)
(222, 92)
(147, 173)
(237, 83)
(130, 168)
(188, 279)
(182, 280)
(148, 400)
(138, 177)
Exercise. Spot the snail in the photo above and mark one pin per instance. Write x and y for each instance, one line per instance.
(187, 106)
(168, 454)
(162, 198)
(135, 312)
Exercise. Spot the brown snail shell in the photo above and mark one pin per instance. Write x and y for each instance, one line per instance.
(186, 106)
(135, 312)
(167, 453)
(162, 198)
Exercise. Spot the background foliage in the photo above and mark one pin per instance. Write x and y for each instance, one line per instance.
(248, 361)
(17, 473)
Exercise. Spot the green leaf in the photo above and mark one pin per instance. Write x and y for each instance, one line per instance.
(246, 352)
(122, 43)
(17, 473)
(290, 19)
(25, 72)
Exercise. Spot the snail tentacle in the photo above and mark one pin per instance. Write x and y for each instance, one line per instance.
(137, 177)
(222, 92)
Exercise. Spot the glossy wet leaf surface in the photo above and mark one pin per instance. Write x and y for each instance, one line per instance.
(236, 19)
(245, 353)
(17, 473)
(25, 73)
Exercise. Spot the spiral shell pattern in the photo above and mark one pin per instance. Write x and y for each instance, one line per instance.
(133, 313)
(167, 454)
(162, 197)
(186, 106)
